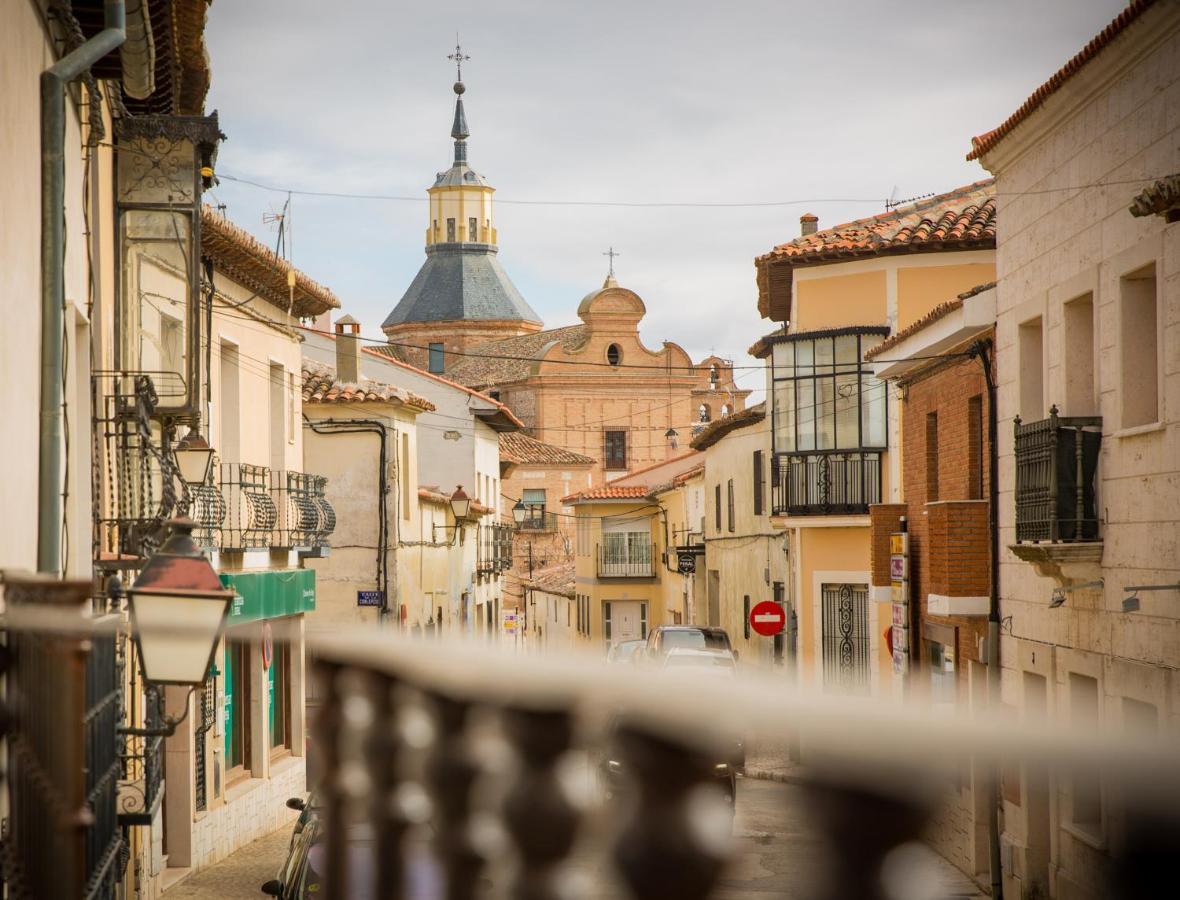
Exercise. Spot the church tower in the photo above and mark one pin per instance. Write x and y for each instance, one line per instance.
(461, 297)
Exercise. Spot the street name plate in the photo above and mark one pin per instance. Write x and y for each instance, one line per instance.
(370, 598)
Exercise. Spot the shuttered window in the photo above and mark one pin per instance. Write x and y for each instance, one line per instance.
(729, 519)
(759, 487)
(717, 507)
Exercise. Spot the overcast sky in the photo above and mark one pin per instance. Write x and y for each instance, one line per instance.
(838, 106)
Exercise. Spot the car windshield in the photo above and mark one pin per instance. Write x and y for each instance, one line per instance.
(626, 649)
(695, 640)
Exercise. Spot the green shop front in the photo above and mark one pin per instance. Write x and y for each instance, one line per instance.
(262, 655)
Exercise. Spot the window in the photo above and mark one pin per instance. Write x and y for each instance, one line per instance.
(405, 476)
(614, 355)
(931, 457)
(717, 507)
(729, 498)
(472, 229)
(606, 621)
(583, 530)
(615, 449)
(759, 486)
(1078, 322)
(975, 448)
(278, 699)
(746, 616)
(704, 413)
(437, 358)
(230, 399)
(1086, 786)
(290, 407)
(278, 417)
(237, 706)
(1139, 346)
(451, 230)
(534, 504)
(1030, 343)
(824, 396)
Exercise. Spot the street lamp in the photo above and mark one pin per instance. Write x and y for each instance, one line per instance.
(671, 436)
(194, 458)
(520, 512)
(460, 507)
(178, 610)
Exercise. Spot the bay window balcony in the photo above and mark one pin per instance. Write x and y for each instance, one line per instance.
(829, 422)
(626, 554)
(1056, 478)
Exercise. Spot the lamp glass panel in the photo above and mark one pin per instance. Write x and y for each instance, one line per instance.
(460, 508)
(176, 634)
(194, 465)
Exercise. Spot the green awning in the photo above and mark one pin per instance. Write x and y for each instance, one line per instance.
(269, 595)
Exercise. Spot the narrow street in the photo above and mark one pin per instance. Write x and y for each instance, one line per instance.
(774, 856)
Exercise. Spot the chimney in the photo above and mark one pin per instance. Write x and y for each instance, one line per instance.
(808, 223)
(348, 350)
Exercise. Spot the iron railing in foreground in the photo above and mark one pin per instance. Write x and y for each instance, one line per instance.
(472, 746)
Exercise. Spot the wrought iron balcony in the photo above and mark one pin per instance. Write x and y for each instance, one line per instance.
(251, 513)
(494, 551)
(634, 559)
(539, 520)
(1056, 478)
(305, 517)
(826, 483)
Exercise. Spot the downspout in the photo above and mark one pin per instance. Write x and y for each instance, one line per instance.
(53, 176)
(980, 349)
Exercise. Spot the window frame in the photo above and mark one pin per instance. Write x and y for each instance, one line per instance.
(730, 518)
(612, 461)
(436, 350)
(833, 372)
(759, 483)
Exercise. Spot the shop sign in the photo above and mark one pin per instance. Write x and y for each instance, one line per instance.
(686, 563)
(510, 620)
(270, 594)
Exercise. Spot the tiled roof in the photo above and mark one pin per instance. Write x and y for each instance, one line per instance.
(434, 494)
(391, 351)
(320, 385)
(985, 143)
(485, 364)
(941, 311)
(257, 268)
(1160, 199)
(608, 492)
(962, 219)
(555, 579)
(518, 447)
(716, 430)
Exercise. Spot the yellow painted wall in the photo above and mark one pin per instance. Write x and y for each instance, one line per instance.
(857, 299)
(824, 549)
(920, 289)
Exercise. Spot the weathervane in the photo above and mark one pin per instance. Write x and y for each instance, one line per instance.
(458, 58)
(612, 254)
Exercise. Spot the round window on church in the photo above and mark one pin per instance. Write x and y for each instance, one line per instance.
(614, 355)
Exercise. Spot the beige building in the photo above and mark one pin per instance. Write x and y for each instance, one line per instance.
(745, 559)
(838, 292)
(1088, 344)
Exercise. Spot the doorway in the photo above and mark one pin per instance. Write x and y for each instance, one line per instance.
(626, 620)
(846, 637)
(1037, 786)
(714, 598)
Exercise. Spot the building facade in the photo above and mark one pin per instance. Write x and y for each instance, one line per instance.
(1088, 343)
(839, 293)
(940, 610)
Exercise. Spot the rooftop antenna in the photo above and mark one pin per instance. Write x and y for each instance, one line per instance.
(281, 218)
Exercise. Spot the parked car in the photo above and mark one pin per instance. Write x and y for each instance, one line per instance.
(625, 651)
(664, 638)
(714, 662)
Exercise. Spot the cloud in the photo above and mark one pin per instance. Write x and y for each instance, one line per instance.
(835, 105)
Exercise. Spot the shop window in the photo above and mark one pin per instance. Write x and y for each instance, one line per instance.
(1139, 346)
(237, 710)
(278, 699)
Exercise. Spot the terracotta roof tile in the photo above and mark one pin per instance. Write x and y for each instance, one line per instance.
(608, 492)
(985, 143)
(485, 365)
(320, 385)
(1159, 199)
(719, 428)
(518, 447)
(555, 579)
(255, 266)
(939, 312)
(962, 219)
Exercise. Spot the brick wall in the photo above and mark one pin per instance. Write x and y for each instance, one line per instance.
(884, 520)
(957, 553)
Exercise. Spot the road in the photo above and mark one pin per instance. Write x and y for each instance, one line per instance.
(774, 855)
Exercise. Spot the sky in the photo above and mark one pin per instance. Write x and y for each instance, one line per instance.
(834, 107)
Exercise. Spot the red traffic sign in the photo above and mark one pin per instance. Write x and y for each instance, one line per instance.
(767, 618)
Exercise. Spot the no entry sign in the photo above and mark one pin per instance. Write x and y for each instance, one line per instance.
(767, 618)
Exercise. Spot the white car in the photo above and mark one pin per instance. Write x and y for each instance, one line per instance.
(716, 662)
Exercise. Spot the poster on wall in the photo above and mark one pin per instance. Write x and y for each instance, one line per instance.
(899, 581)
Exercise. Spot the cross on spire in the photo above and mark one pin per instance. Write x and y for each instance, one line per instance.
(612, 253)
(458, 57)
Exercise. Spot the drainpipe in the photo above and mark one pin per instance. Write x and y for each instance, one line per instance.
(53, 175)
(980, 350)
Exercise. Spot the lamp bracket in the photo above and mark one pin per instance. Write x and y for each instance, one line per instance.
(168, 729)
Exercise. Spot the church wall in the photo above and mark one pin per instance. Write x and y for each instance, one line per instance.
(413, 339)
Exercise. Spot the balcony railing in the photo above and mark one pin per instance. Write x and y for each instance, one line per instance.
(1056, 477)
(633, 560)
(251, 513)
(305, 517)
(494, 552)
(826, 483)
(539, 520)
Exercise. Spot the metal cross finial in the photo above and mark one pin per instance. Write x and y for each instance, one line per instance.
(458, 58)
(612, 254)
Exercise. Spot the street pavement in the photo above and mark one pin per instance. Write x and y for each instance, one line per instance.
(774, 854)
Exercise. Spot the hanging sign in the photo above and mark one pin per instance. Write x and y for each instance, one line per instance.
(686, 563)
